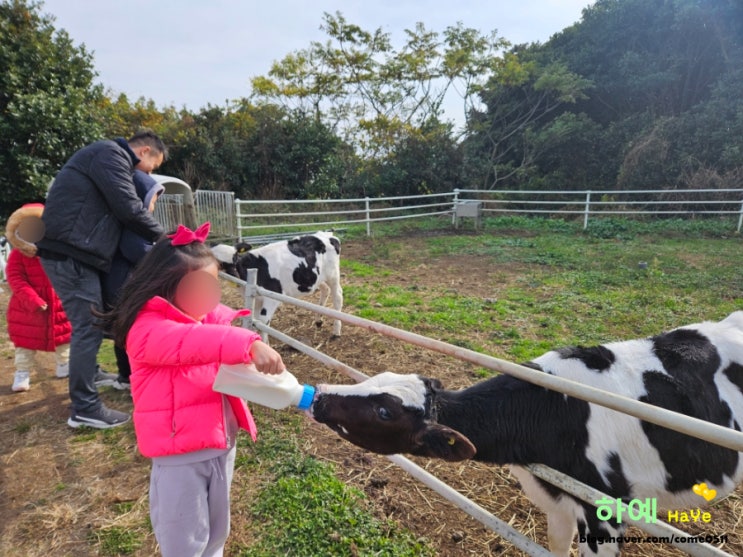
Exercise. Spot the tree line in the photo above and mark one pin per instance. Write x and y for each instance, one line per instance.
(638, 94)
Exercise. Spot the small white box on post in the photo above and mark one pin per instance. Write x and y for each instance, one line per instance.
(468, 209)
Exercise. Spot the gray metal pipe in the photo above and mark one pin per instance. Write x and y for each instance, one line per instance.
(580, 490)
(695, 427)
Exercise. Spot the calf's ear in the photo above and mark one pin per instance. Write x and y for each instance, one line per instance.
(242, 248)
(439, 441)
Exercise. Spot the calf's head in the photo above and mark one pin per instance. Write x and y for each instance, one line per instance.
(390, 413)
(242, 260)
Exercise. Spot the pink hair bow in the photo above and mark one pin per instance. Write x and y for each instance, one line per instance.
(183, 236)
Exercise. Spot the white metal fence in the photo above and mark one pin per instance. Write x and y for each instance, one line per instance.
(261, 214)
(217, 207)
(282, 214)
(686, 203)
(691, 426)
(239, 218)
(170, 211)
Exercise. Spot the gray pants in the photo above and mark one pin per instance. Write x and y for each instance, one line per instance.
(190, 506)
(79, 287)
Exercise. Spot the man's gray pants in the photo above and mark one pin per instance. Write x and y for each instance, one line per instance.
(79, 288)
(190, 506)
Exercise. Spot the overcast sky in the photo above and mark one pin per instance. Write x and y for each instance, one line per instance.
(195, 52)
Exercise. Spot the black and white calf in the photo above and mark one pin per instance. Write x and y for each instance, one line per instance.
(296, 267)
(696, 370)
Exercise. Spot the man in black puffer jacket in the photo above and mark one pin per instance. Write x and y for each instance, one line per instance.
(91, 201)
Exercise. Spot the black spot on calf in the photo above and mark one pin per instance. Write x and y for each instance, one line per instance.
(598, 358)
(687, 355)
(304, 277)
(306, 247)
(734, 372)
(617, 479)
(336, 244)
(251, 261)
(688, 460)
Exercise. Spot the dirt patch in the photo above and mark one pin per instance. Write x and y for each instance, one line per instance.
(58, 485)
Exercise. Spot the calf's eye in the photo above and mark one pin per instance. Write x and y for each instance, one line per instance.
(383, 413)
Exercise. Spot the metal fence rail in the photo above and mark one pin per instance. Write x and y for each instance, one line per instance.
(239, 218)
(694, 427)
(170, 210)
(691, 426)
(723, 202)
(217, 207)
(365, 210)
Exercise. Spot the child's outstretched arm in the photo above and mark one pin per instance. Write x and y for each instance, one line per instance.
(157, 341)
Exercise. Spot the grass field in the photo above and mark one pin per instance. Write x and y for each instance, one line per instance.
(617, 280)
(515, 289)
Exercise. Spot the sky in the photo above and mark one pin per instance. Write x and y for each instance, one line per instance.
(190, 53)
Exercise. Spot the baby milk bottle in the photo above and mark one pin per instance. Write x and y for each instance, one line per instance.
(275, 391)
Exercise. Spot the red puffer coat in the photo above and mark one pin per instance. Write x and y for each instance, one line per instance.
(29, 326)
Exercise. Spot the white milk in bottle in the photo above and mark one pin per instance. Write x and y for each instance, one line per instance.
(275, 391)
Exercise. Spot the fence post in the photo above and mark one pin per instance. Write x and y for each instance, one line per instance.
(740, 218)
(238, 223)
(251, 288)
(587, 210)
(368, 217)
(454, 207)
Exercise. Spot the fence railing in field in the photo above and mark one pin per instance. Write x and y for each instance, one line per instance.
(691, 426)
(268, 218)
(261, 214)
(584, 203)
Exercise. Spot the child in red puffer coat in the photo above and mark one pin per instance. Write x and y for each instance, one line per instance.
(36, 320)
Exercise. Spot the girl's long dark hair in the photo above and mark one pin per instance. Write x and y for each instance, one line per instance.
(158, 274)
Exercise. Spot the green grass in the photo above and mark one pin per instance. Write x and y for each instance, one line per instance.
(106, 356)
(598, 226)
(116, 541)
(304, 509)
(617, 279)
(363, 270)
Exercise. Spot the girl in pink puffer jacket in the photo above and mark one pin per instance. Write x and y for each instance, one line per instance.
(176, 335)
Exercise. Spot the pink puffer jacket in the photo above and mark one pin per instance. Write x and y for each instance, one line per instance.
(174, 361)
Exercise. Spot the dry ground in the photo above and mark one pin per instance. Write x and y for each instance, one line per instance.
(61, 488)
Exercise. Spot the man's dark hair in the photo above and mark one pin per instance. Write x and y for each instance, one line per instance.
(151, 140)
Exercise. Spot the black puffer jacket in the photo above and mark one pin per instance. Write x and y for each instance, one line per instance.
(91, 200)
